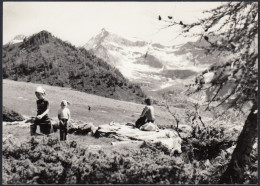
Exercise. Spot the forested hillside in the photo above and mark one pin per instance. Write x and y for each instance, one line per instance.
(46, 59)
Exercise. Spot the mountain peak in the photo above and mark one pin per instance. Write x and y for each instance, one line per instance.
(96, 40)
(103, 30)
(44, 33)
(38, 38)
(103, 33)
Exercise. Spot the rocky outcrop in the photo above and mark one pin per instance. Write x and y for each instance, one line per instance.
(168, 139)
(165, 139)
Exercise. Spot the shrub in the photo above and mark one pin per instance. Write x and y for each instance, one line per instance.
(207, 142)
(10, 115)
(47, 161)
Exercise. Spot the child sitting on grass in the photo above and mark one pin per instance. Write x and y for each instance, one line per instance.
(42, 118)
(64, 118)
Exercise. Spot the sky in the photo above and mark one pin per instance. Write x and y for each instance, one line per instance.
(77, 22)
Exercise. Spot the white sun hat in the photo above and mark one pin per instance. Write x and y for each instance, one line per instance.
(40, 90)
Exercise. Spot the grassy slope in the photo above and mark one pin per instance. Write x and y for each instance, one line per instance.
(20, 97)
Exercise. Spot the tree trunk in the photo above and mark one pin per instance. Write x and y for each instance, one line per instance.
(241, 154)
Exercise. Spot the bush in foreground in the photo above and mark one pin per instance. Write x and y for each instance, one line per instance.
(10, 115)
(47, 161)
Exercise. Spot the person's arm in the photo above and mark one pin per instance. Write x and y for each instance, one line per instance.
(44, 113)
(152, 113)
(59, 114)
(69, 116)
(59, 117)
(144, 111)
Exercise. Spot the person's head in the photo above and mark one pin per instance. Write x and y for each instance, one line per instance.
(148, 101)
(40, 93)
(64, 103)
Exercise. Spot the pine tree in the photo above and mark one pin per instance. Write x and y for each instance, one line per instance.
(232, 30)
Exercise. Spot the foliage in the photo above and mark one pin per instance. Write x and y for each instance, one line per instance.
(231, 30)
(207, 142)
(46, 59)
(48, 161)
(10, 115)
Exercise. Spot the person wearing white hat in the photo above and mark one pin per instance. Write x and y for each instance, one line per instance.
(42, 118)
(64, 118)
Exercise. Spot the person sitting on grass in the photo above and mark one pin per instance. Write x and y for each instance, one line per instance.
(64, 118)
(42, 118)
(147, 115)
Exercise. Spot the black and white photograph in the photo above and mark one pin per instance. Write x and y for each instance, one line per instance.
(129, 92)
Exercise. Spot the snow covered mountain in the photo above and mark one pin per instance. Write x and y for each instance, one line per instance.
(17, 39)
(144, 62)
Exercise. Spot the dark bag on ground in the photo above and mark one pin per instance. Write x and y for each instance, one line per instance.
(141, 121)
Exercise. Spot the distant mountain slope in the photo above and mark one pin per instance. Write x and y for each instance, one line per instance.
(46, 59)
(195, 52)
(153, 63)
(135, 58)
(17, 39)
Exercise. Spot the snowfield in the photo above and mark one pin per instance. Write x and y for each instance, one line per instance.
(142, 61)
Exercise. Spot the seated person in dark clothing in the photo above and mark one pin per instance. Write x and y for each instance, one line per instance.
(42, 118)
(147, 114)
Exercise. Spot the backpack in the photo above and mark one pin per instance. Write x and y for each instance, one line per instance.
(149, 127)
